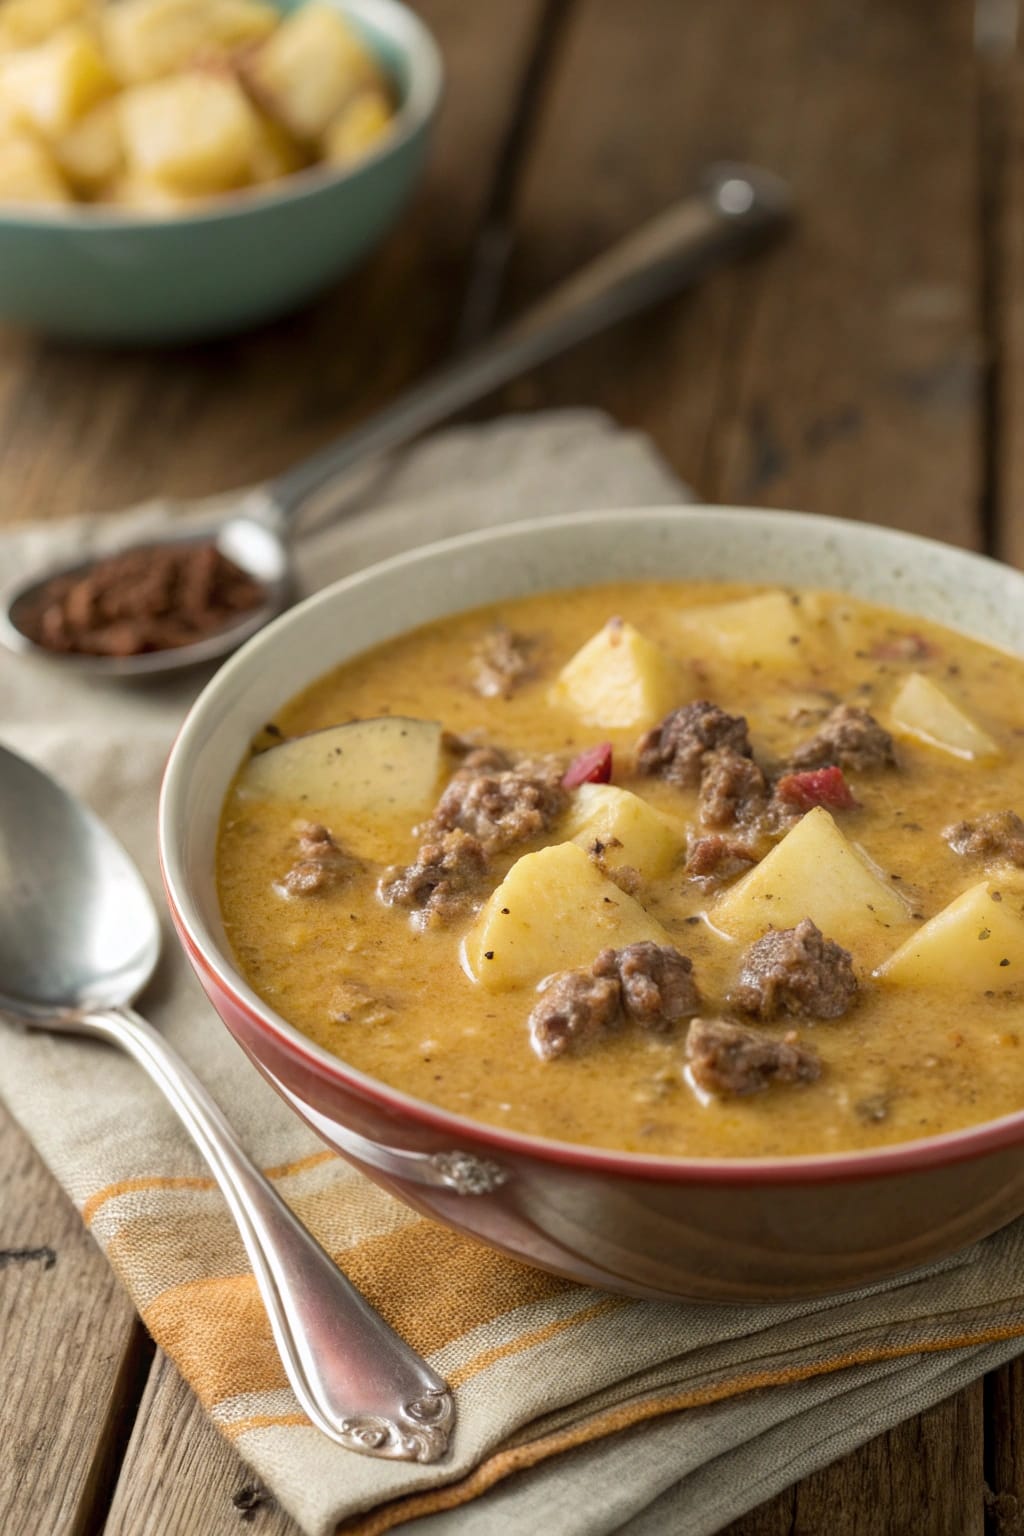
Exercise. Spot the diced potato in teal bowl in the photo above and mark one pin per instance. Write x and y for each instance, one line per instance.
(178, 169)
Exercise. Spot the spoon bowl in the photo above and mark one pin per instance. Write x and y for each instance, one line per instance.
(79, 929)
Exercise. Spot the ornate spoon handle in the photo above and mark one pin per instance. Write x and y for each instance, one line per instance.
(356, 1379)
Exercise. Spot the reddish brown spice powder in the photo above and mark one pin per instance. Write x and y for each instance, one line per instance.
(150, 599)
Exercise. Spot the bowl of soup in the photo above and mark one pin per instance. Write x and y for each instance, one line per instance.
(640, 893)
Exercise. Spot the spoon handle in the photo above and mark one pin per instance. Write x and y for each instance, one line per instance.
(739, 207)
(356, 1379)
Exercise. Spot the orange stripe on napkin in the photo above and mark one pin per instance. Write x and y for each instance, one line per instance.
(238, 1427)
(130, 1186)
(432, 1286)
(521, 1457)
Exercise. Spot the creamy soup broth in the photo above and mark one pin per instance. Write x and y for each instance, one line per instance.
(391, 995)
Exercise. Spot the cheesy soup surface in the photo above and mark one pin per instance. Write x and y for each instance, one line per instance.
(675, 868)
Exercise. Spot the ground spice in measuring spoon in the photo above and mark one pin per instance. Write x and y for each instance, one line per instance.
(150, 599)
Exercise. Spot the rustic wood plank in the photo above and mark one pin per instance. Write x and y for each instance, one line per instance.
(180, 1477)
(924, 1477)
(842, 371)
(1007, 129)
(86, 430)
(1004, 1450)
(72, 1355)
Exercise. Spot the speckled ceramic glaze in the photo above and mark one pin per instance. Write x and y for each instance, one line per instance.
(102, 275)
(739, 1230)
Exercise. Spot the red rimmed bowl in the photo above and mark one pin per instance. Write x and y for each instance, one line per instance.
(737, 1230)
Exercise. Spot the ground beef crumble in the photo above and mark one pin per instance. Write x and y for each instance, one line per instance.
(658, 989)
(850, 739)
(994, 835)
(728, 1059)
(505, 806)
(677, 749)
(574, 1009)
(714, 857)
(321, 865)
(795, 971)
(502, 662)
(733, 790)
(444, 881)
(647, 984)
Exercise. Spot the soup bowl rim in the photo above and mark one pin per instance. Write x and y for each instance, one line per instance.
(223, 978)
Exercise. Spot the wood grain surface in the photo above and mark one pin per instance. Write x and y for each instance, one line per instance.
(871, 366)
(180, 1477)
(73, 1355)
(841, 372)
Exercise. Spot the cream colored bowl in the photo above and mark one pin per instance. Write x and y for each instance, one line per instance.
(746, 1229)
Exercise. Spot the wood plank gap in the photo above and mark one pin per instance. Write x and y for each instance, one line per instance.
(994, 86)
(493, 241)
(994, 1409)
(181, 1477)
(129, 1386)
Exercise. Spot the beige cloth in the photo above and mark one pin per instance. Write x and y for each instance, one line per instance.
(666, 1418)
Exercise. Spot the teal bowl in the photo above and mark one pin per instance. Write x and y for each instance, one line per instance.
(95, 274)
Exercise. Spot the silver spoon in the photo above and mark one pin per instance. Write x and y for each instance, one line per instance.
(79, 939)
(738, 207)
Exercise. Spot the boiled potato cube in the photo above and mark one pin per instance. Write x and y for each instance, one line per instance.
(631, 831)
(814, 872)
(553, 910)
(238, 23)
(90, 154)
(275, 152)
(976, 944)
(147, 39)
(921, 709)
(195, 132)
(141, 194)
(355, 777)
(619, 680)
(51, 86)
(310, 68)
(28, 174)
(768, 628)
(23, 23)
(358, 127)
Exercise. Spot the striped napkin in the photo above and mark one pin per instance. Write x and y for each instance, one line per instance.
(578, 1413)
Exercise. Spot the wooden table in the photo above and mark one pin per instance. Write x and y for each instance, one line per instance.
(871, 368)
